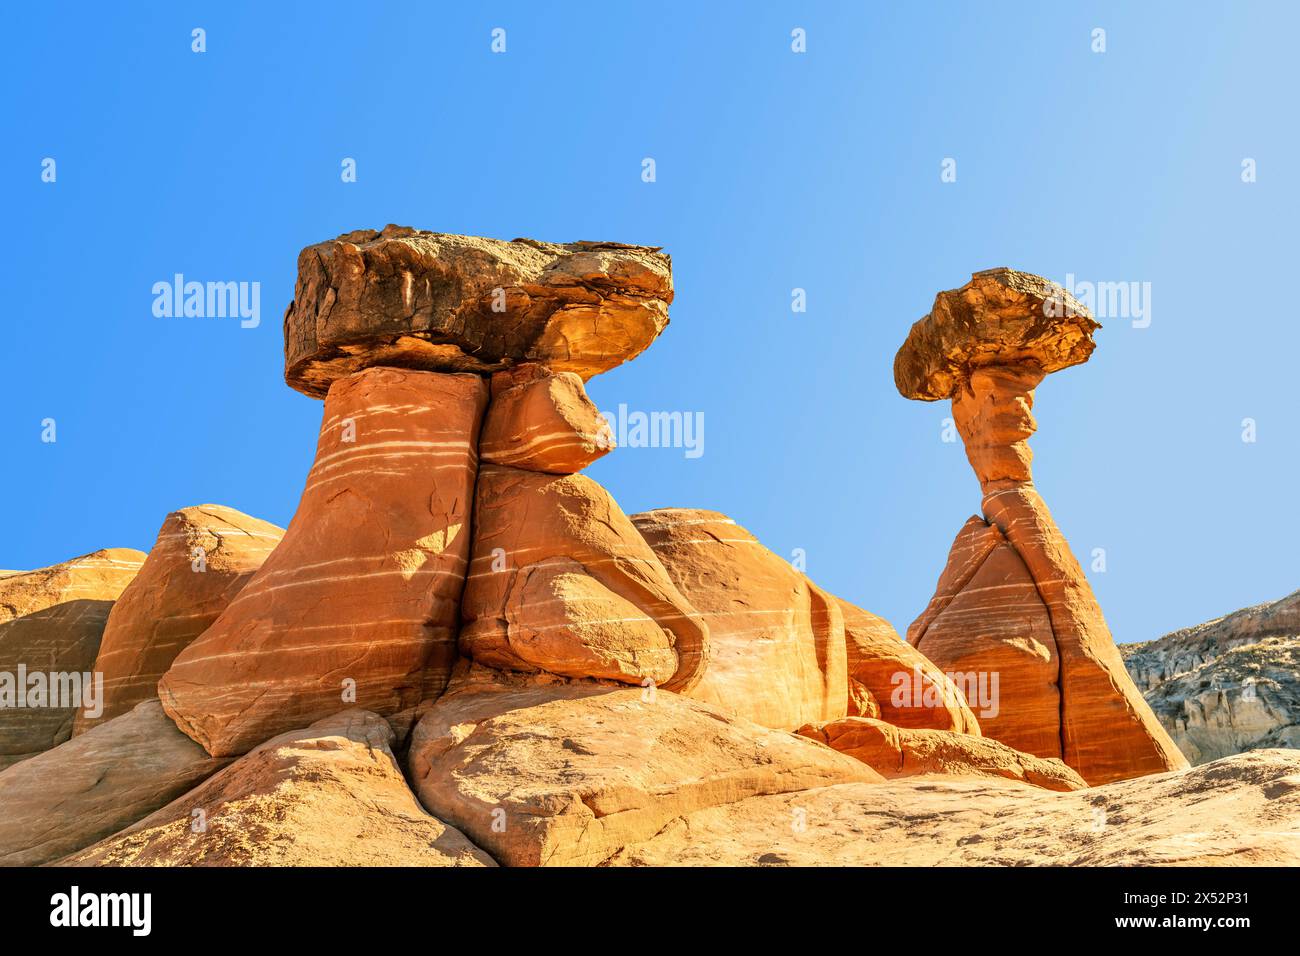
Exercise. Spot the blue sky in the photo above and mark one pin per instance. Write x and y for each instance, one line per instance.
(775, 170)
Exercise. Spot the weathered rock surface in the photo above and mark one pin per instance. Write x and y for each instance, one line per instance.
(777, 646)
(202, 558)
(359, 603)
(1239, 811)
(542, 421)
(562, 581)
(329, 795)
(96, 784)
(427, 300)
(51, 621)
(1000, 317)
(1012, 601)
(1226, 686)
(574, 773)
(897, 752)
(901, 684)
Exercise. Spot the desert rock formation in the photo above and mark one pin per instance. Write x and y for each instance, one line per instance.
(51, 622)
(95, 784)
(268, 807)
(1012, 600)
(359, 603)
(412, 299)
(202, 558)
(1228, 685)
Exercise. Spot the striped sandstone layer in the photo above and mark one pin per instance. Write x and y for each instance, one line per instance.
(1013, 600)
(899, 752)
(542, 421)
(777, 654)
(51, 621)
(561, 581)
(427, 300)
(202, 558)
(358, 605)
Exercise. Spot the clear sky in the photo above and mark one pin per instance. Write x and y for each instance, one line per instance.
(775, 170)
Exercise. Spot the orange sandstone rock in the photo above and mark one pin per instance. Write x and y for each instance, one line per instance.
(413, 299)
(358, 605)
(51, 622)
(777, 647)
(203, 557)
(900, 752)
(1012, 600)
(542, 421)
(561, 581)
(901, 685)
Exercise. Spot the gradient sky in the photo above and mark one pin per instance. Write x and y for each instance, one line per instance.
(775, 170)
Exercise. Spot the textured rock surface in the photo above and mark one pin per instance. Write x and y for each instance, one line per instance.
(777, 646)
(1000, 317)
(329, 795)
(52, 620)
(96, 784)
(562, 581)
(572, 774)
(542, 421)
(1012, 601)
(1239, 811)
(897, 752)
(366, 584)
(427, 300)
(1229, 685)
(202, 558)
(885, 671)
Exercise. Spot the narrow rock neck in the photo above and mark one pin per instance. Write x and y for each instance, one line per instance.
(994, 415)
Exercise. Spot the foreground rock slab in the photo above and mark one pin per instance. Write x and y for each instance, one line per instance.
(1239, 811)
(898, 752)
(427, 300)
(51, 622)
(359, 603)
(96, 784)
(202, 558)
(329, 795)
(571, 774)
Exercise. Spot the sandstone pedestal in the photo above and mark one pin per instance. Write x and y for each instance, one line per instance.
(359, 603)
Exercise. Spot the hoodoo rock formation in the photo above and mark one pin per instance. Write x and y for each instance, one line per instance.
(203, 557)
(1012, 599)
(462, 651)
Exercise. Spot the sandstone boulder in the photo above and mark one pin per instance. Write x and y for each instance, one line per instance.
(51, 622)
(898, 752)
(561, 581)
(427, 300)
(329, 795)
(777, 646)
(358, 605)
(574, 773)
(892, 680)
(95, 784)
(542, 421)
(202, 558)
